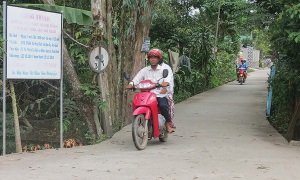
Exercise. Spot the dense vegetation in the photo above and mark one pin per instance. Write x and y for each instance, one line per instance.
(284, 18)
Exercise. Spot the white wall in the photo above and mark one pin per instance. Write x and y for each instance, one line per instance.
(251, 61)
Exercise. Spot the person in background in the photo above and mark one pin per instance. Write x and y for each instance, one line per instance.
(268, 61)
(170, 94)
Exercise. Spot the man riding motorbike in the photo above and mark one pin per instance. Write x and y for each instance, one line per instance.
(154, 71)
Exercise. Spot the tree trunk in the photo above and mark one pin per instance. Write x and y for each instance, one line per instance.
(293, 122)
(99, 11)
(123, 67)
(27, 123)
(129, 57)
(141, 30)
(16, 118)
(114, 80)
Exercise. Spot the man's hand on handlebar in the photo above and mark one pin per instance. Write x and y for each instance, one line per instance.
(164, 89)
(164, 84)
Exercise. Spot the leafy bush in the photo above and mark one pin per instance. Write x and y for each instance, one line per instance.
(286, 88)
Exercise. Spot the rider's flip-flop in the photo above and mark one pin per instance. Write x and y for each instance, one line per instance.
(170, 128)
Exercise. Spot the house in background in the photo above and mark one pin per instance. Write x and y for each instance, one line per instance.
(251, 55)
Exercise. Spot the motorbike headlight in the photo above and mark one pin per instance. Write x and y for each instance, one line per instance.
(145, 85)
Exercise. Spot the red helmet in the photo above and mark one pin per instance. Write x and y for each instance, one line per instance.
(154, 53)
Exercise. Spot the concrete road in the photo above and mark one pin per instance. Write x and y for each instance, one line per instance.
(221, 134)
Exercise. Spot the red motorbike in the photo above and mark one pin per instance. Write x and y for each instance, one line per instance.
(242, 76)
(147, 122)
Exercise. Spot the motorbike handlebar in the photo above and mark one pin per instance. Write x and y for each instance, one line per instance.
(156, 85)
(133, 88)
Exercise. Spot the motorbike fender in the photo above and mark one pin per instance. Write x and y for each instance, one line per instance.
(143, 110)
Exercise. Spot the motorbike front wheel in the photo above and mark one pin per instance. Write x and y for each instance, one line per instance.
(140, 132)
(241, 80)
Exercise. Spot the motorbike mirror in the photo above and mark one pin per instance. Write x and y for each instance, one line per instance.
(126, 76)
(165, 73)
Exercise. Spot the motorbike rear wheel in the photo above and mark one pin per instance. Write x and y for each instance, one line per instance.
(140, 132)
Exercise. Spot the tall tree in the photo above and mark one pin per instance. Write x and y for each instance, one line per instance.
(124, 45)
(101, 10)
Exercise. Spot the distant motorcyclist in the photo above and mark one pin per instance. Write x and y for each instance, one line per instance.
(243, 64)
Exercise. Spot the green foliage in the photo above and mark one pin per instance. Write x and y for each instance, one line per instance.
(82, 4)
(79, 54)
(181, 96)
(70, 109)
(101, 139)
(247, 42)
(136, 4)
(90, 90)
(118, 125)
(73, 126)
(92, 139)
(262, 42)
(284, 32)
(102, 104)
(222, 69)
(293, 13)
(38, 105)
(176, 27)
(282, 96)
(65, 125)
(187, 84)
(10, 133)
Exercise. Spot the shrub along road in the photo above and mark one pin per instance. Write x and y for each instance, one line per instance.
(221, 134)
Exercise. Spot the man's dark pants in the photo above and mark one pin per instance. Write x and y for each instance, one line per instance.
(163, 105)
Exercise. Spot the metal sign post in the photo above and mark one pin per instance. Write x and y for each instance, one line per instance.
(61, 87)
(4, 80)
